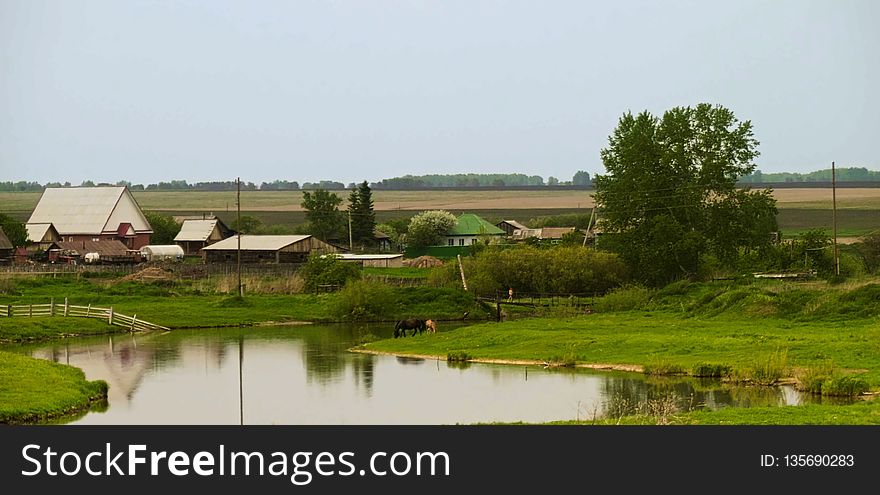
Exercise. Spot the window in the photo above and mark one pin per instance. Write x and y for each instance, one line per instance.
(461, 242)
(451, 242)
(473, 241)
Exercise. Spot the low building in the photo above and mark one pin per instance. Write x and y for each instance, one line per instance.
(266, 249)
(468, 229)
(41, 236)
(545, 234)
(114, 252)
(196, 234)
(510, 226)
(7, 250)
(93, 214)
(383, 240)
(374, 260)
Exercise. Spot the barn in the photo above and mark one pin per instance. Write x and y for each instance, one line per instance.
(374, 260)
(266, 249)
(7, 250)
(93, 214)
(196, 234)
(41, 235)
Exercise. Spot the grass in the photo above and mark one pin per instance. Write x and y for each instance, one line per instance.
(180, 305)
(35, 390)
(635, 338)
(39, 328)
(403, 272)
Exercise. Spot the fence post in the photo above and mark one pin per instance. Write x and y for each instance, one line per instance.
(133, 319)
(9, 311)
(111, 316)
(52, 306)
(30, 310)
(89, 310)
(65, 306)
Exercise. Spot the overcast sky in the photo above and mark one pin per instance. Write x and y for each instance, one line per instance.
(351, 90)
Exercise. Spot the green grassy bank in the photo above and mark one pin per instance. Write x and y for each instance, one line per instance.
(35, 390)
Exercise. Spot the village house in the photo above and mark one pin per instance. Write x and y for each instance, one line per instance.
(93, 214)
(510, 226)
(195, 234)
(266, 249)
(7, 250)
(41, 236)
(468, 229)
(552, 235)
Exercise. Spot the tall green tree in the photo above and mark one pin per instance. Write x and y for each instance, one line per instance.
(427, 228)
(165, 227)
(581, 178)
(363, 218)
(322, 212)
(670, 196)
(15, 230)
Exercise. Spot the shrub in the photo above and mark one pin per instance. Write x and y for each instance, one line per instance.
(710, 370)
(662, 367)
(844, 386)
(327, 270)
(768, 370)
(361, 300)
(624, 299)
(457, 356)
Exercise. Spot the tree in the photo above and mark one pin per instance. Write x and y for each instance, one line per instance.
(165, 227)
(363, 218)
(247, 225)
(670, 194)
(427, 228)
(322, 212)
(552, 181)
(15, 230)
(581, 178)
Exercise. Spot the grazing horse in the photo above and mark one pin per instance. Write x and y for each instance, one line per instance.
(414, 324)
(431, 326)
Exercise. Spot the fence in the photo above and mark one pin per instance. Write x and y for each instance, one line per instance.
(132, 323)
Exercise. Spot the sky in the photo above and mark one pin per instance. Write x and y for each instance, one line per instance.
(149, 91)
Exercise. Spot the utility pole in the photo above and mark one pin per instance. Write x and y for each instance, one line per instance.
(238, 249)
(350, 237)
(834, 218)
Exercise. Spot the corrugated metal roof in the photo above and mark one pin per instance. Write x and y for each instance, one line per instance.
(79, 210)
(347, 256)
(257, 242)
(515, 224)
(470, 224)
(196, 230)
(103, 248)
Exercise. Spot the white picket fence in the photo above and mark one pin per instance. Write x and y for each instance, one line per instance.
(132, 323)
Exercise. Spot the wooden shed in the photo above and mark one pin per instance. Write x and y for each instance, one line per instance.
(266, 249)
(195, 234)
(7, 250)
(374, 260)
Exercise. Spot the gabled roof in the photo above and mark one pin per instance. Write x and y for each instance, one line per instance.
(470, 224)
(257, 242)
(196, 230)
(514, 224)
(37, 232)
(89, 210)
(5, 243)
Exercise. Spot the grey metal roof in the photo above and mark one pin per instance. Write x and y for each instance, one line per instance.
(348, 256)
(37, 231)
(257, 242)
(196, 230)
(84, 210)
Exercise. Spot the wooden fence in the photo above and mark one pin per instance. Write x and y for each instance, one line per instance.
(132, 323)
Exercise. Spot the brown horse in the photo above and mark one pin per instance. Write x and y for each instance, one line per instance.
(431, 326)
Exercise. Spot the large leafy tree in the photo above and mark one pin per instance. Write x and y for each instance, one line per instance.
(427, 228)
(363, 218)
(670, 196)
(322, 212)
(165, 227)
(15, 231)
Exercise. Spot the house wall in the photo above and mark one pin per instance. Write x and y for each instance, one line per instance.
(136, 242)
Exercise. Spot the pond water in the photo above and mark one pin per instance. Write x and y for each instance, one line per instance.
(304, 375)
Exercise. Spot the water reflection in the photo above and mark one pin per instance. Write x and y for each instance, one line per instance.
(303, 375)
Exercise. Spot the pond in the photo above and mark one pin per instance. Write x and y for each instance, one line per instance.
(302, 374)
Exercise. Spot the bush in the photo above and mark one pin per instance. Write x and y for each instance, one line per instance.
(624, 299)
(711, 370)
(327, 270)
(361, 300)
(844, 386)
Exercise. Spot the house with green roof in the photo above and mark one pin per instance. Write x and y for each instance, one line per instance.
(468, 229)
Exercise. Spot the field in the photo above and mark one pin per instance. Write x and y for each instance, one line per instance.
(800, 208)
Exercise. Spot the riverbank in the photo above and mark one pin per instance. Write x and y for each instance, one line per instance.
(39, 391)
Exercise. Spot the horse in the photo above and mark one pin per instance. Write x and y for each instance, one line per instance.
(414, 324)
(431, 326)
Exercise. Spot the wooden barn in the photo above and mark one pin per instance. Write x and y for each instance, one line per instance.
(41, 236)
(7, 250)
(374, 260)
(510, 226)
(196, 234)
(266, 249)
(93, 214)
